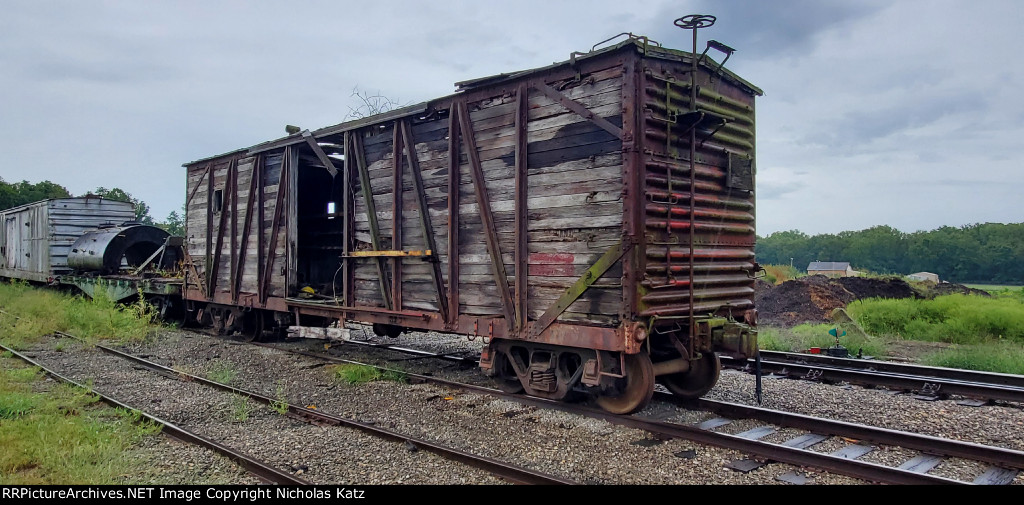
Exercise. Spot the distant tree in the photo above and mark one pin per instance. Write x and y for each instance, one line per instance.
(175, 223)
(20, 193)
(120, 195)
(984, 253)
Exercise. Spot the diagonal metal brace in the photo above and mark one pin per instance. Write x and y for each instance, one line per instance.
(579, 109)
(577, 289)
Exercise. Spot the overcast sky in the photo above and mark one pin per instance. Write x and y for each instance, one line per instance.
(904, 113)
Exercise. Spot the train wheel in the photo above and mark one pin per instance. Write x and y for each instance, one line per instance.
(252, 329)
(696, 382)
(506, 378)
(639, 387)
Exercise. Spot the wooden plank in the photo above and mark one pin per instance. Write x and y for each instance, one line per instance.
(396, 218)
(600, 267)
(424, 215)
(208, 258)
(578, 108)
(500, 278)
(347, 224)
(234, 230)
(320, 154)
(292, 229)
(268, 273)
(453, 215)
(246, 225)
(220, 228)
(371, 214)
(259, 168)
(521, 186)
(198, 184)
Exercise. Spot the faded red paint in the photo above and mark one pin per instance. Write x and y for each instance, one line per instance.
(553, 270)
(552, 258)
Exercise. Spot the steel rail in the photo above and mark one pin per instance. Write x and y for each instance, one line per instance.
(925, 443)
(971, 383)
(925, 384)
(992, 378)
(258, 468)
(775, 452)
(509, 472)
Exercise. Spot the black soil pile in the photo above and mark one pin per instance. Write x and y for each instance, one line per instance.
(813, 298)
(805, 299)
(877, 288)
(947, 288)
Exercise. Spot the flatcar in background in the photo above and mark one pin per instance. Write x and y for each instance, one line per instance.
(91, 243)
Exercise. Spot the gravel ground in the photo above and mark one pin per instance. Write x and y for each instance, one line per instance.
(321, 454)
(572, 446)
(998, 425)
(165, 461)
(568, 445)
(161, 460)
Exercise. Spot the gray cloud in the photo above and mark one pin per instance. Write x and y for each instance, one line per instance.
(777, 190)
(875, 113)
(763, 29)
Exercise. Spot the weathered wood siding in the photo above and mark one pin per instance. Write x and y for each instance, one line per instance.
(241, 195)
(574, 202)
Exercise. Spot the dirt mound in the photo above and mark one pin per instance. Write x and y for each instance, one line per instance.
(813, 298)
(946, 288)
(805, 299)
(878, 288)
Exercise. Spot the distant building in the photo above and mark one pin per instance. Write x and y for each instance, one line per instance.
(924, 276)
(831, 269)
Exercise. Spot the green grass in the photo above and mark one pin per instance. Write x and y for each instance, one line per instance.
(222, 372)
(777, 274)
(1002, 357)
(42, 312)
(995, 287)
(61, 436)
(241, 408)
(280, 403)
(359, 374)
(804, 336)
(957, 319)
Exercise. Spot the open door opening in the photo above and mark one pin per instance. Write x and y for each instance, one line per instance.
(320, 223)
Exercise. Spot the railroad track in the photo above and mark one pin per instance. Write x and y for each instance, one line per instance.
(260, 469)
(928, 382)
(1004, 464)
(509, 472)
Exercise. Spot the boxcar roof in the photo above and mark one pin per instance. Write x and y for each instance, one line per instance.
(38, 203)
(650, 51)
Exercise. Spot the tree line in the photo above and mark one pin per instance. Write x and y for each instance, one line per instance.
(21, 193)
(979, 253)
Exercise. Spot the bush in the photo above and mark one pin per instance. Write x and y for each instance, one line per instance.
(777, 274)
(958, 319)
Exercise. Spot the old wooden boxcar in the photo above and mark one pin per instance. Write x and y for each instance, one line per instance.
(553, 212)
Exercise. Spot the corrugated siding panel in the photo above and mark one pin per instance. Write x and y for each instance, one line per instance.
(723, 209)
